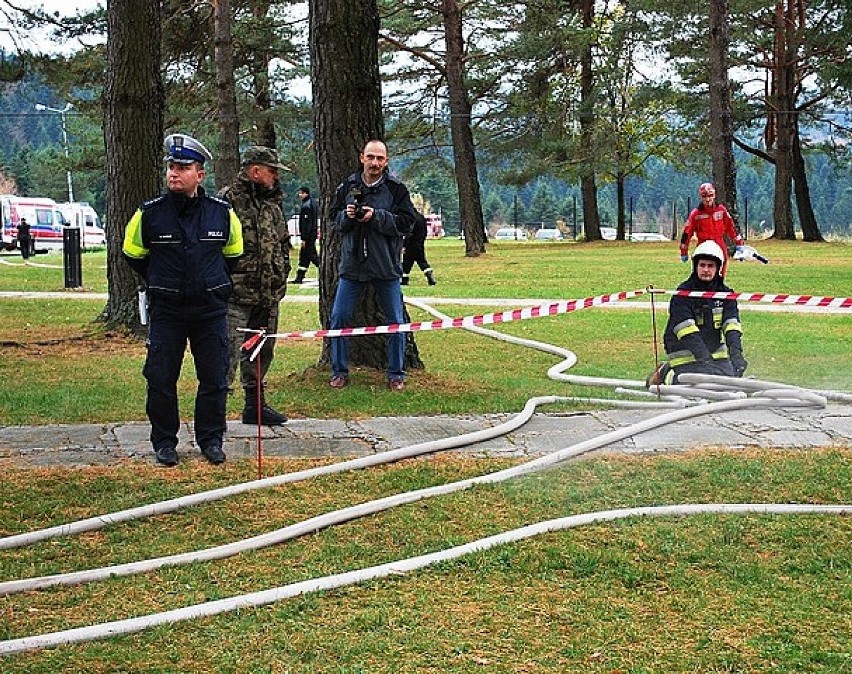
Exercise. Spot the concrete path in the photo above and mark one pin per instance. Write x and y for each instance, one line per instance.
(102, 444)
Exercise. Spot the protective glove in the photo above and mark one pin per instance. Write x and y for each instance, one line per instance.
(740, 364)
(684, 258)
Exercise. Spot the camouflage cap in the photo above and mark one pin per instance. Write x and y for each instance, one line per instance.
(258, 154)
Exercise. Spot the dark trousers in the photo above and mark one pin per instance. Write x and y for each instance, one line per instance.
(253, 317)
(721, 368)
(25, 243)
(308, 254)
(414, 254)
(207, 333)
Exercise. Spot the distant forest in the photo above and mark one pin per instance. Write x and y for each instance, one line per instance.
(32, 161)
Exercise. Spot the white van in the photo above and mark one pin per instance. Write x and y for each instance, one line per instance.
(43, 215)
(80, 214)
(510, 234)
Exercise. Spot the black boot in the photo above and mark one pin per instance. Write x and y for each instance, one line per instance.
(268, 415)
(300, 276)
(430, 277)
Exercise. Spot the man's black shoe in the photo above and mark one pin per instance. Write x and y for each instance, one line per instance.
(214, 454)
(167, 456)
(269, 416)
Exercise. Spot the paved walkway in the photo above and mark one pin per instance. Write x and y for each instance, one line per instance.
(102, 444)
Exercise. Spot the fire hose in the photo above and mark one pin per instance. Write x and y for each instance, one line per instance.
(689, 401)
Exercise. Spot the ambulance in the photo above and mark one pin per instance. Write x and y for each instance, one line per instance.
(43, 215)
(80, 214)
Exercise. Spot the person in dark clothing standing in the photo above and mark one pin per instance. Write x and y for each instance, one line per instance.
(415, 251)
(373, 212)
(703, 335)
(181, 243)
(25, 240)
(308, 234)
(260, 275)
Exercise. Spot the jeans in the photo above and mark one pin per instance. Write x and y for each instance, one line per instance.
(389, 295)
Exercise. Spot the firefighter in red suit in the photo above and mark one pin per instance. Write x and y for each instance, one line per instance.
(709, 222)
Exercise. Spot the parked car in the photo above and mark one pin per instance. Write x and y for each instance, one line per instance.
(548, 235)
(510, 234)
(647, 236)
(608, 233)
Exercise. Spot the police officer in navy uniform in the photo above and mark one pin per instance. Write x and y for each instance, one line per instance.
(182, 244)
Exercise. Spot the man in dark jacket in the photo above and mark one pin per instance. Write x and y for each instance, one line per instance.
(308, 234)
(180, 243)
(415, 251)
(373, 212)
(702, 335)
(25, 239)
(260, 275)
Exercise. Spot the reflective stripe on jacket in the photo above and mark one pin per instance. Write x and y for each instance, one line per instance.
(699, 329)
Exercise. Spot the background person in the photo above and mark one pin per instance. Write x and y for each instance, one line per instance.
(25, 239)
(180, 244)
(709, 222)
(415, 251)
(373, 212)
(702, 335)
(260, 275)
(308, 234)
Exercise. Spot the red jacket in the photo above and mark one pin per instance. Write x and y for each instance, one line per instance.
(709, 224)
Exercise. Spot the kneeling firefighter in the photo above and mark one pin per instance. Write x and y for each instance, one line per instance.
(702, 335)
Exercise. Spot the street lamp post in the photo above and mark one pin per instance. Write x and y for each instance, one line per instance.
(61, 113)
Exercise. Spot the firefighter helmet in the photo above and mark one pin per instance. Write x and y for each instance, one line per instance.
(710, 250)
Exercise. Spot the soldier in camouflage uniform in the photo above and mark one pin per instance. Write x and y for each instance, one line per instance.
(260, 276)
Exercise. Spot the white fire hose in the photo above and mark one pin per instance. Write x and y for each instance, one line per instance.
(684, 401)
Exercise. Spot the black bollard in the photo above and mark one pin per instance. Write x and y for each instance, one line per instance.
(72, 257)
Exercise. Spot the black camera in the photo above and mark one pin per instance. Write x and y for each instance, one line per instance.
(358, 200)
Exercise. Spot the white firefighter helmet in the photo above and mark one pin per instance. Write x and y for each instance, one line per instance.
(709, 249)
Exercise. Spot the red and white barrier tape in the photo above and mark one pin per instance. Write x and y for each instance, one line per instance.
(798, 300)
(550, 309)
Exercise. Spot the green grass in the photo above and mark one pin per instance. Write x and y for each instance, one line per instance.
(73, 373)
(699, 594)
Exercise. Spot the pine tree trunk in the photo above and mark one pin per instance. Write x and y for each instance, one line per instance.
(133, 136)
(807, 218)
(464, 152)
(347, 113)
(588, 186)
(781, 102)
(228, 158)
(260, 57)
(721, 110)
